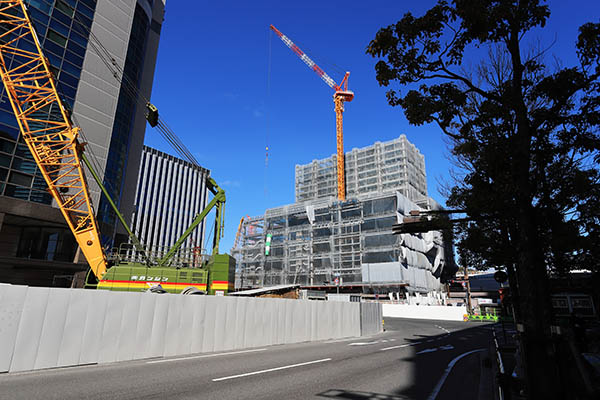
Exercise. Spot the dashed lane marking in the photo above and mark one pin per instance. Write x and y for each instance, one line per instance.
(363, 343)
(205, 356)
(341, 340)
(442, 328)
(400, 346)
(371, 342)
(264, 371)
(447, 347)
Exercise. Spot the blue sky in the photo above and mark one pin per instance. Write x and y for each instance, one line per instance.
(212, 87)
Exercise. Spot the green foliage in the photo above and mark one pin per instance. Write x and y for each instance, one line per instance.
(524, 136)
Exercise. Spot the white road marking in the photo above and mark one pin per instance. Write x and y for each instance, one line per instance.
(399, 346)
(341, 340)
(204, 356)
(446, 347)
(437, 388)
(363, 343)
(371, 342)
(442, 328)
(271, 370)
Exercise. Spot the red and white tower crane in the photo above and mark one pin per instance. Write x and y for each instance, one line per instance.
(341, 95)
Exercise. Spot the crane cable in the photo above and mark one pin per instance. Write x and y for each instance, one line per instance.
(207, 238)
(134, 93)
(269, 62)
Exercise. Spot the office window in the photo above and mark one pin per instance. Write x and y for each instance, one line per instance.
(56, 38)
(64, 7)
(20, 179)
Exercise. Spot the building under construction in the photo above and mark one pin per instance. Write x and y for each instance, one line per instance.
(321, 241)
(385, 167)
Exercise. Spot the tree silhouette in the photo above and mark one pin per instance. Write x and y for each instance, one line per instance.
(524, 136)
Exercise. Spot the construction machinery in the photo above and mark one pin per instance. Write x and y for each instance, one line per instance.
(175, 270)
(53, 140)
(341, 95)
(238, 234)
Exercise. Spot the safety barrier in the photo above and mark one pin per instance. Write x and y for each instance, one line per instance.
(370, 318)
(444, 313)
(54, 327)
(487, 317)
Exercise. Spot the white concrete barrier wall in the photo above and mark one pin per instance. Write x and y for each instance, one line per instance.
(370, 318)
(53, 327)
(444, 313)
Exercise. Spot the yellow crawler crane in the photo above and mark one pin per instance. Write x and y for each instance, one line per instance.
(46, 128)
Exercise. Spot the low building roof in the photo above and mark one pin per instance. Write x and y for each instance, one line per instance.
(264, 290)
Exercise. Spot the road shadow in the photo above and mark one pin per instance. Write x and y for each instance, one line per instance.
(432, 355)
(355, 395)
(429, 357)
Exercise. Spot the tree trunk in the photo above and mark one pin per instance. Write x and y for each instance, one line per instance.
(535, 309)
(539, 360)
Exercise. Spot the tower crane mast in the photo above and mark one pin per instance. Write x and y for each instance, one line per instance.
(341, 95)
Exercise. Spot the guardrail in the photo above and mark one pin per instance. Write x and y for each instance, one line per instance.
(500, 365)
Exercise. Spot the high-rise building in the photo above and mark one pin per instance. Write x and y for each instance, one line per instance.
(170, 193)
(36, 245)
(396, 165)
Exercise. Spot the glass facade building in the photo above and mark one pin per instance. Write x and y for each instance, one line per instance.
(63, 30)
(71, 32)
(116, 165)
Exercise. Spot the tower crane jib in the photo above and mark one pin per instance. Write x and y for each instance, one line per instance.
(341, 95)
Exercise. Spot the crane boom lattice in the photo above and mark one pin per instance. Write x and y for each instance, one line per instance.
(342, 94)
(46, 127)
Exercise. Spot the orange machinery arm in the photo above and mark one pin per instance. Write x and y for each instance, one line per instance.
(341, 95)
(238, 234)
(46, 127)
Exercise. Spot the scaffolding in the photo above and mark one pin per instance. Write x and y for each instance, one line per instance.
(317, 242)
(320, 241)
(384, 167)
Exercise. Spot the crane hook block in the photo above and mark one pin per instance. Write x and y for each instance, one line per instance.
(152, 115)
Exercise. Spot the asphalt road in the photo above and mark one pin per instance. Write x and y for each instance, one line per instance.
(409, 361)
